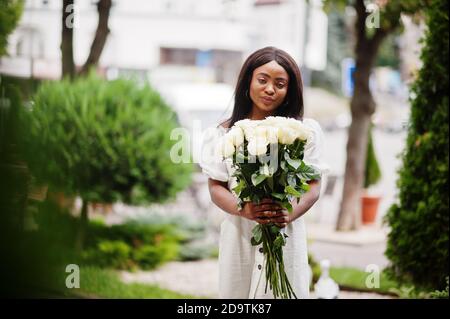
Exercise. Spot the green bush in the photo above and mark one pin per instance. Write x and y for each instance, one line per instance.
(105, 141)
(418, 240)
(149, 245)
(10, 12)
(109, 254)
(442, 294)
(129, 245)
(185, 228)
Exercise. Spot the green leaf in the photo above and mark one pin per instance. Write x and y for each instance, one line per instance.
(291, 180)
(257, 235)
(240, 158)
(238, 189)
(294, 163)
(283, 179)
(306, 172)
(264, 170)
(254, 242)
(291, 190)
(278, 196)
(270, 182)
(258, 179)
(305, 187)
(274, 230)
(286, 205)
(279, 242)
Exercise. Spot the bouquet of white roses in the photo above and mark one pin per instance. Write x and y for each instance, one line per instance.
(268, 160)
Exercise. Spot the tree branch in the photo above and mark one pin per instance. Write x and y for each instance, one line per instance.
(360, 24)
(381, 33)
(68, 64)
(101, 34)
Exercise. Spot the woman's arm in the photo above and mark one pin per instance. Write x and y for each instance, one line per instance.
(306, 201)
(222, 197)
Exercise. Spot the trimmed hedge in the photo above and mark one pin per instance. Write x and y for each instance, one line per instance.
(105, 141)
(418, 240)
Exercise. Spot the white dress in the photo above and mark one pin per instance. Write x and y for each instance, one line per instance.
(241, 265)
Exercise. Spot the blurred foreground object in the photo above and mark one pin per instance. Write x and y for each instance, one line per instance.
(326, 287)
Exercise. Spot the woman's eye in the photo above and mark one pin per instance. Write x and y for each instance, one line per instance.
(280, 85)
(262, 81)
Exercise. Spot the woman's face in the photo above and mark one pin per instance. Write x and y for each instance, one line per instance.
(268, 87)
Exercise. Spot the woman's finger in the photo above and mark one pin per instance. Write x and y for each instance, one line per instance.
(267, 214)
(267, 207)
(262, 220)
(280, 219)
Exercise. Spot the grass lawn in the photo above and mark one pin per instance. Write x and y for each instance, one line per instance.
(353, 278)
(104, 283)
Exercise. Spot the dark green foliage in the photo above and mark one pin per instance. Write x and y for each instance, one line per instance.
(372, 173)
(104, 141)
(10, 12)
(123, 246)
(441, 294)
(418, 241)
(388, 54)
(131, 245)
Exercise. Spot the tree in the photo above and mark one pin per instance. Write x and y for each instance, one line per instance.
(419, 223)
(10, 12)
(371, 28)
(98, 43)
(104, 141)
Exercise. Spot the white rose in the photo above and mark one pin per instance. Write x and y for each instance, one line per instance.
(257, 146)
(272, 120)
(249, 133)
(286, 135)
(227, 147)
(301, 130)
(272, 134)
(236, 135)
(243, 124)
(261, 132)
(304, 133)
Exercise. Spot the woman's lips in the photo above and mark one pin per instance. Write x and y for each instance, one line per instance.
(267, 100)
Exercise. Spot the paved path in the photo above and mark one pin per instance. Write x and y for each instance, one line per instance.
(200, 278)
(356, 249)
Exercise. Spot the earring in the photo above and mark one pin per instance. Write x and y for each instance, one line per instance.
(246, 94)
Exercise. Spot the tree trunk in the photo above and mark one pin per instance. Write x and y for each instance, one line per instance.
(362, 107)
(82, 227)
(68, 64)
(101, 34)
(349, 214)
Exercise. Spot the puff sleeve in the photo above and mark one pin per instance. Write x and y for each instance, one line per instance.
(314, 147)
(211, 161)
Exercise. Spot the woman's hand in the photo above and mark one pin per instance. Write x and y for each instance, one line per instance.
(267, 211)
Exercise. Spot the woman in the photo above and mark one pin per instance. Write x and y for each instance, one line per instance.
(269, 84)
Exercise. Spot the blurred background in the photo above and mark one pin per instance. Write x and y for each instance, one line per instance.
(91, 91)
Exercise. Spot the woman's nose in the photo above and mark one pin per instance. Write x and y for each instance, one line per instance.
(269, 89)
